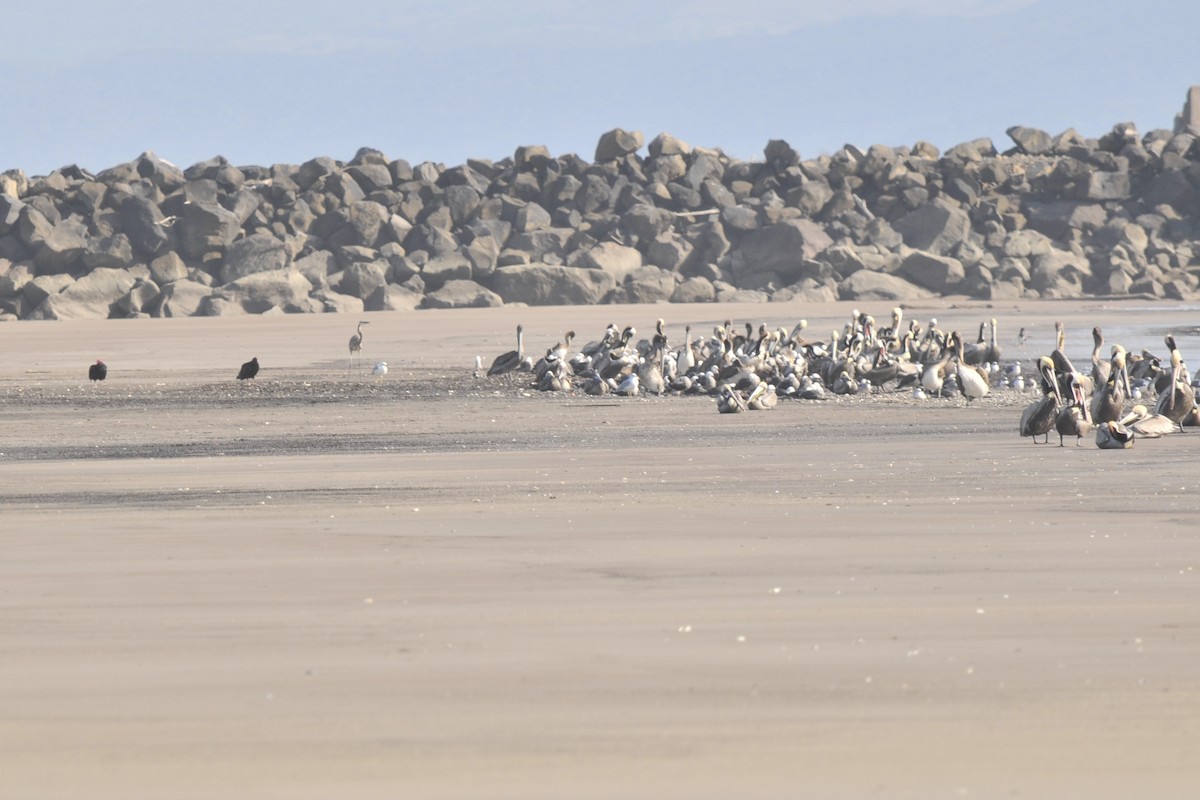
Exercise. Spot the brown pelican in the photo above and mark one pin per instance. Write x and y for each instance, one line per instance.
(972, 380)
(248, 370)
(98, 371)
(992, 353)
(507, 362)
(650, 372)
(975, 352)
(356, 347)
(594, 385)
(763, 398)
(1075, 418)
(1038, 418)
(1101, 369)
(1179, 398)
(845, 384)
(1113, 436)
(1149, 426)
(730, 400)
(1109, 402)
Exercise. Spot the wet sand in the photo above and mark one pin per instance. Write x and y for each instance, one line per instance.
(432, 585)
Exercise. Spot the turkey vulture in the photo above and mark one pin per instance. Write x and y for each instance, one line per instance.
(249, 369)
(98, 371)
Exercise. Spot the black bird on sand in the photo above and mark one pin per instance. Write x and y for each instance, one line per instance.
(249, 369)
(98, 371)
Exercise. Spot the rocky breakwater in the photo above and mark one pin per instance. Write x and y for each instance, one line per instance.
(1050, 217)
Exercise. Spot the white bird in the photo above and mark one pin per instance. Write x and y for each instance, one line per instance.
(918, 393)
(380, 369)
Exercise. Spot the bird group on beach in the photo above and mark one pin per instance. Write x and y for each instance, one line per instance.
(750, 369)
(1104, 400)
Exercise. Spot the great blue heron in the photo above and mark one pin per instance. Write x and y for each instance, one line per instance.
(248, 370)
(98, 371)
(356, 347)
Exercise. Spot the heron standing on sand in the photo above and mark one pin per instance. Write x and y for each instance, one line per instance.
(356, 347)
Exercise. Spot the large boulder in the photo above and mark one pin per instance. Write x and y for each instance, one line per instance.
(259, 252)
(94, 296)
(181, 298)
(778, 252)
(936, 227)
(143, 222)
(1030, 141)
(206, 228)
(546, 284)
(694, 290)
(63, 248)
(1188, 120)
(618, 143)
(256, 293)
(866, 285)
(615, 259)
(939, 274)
(462, 294)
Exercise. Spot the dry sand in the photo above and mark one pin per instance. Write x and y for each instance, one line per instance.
(431, 586)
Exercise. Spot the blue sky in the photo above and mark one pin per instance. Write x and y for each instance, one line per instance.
(95, 84)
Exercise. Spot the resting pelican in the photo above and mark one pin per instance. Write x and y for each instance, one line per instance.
(1038, 418)
(1113, 436)
(507, 362)
(730, 400)
(1149, 426)
(763, 398)
(1075, 418)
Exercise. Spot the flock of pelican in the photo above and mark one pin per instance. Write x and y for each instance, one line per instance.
(1075, 403)
(752, 369)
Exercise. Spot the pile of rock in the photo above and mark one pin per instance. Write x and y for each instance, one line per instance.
(1053, 216)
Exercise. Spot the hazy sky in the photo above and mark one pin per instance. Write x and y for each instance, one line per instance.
(268, 81)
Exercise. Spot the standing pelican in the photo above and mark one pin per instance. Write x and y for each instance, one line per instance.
(98, 371)
(507, 362)
(1038, 418)
(356, 347)
(1075, 418)
(1109, 401)
(972, 380)
(1179, 398)
(1101, 369)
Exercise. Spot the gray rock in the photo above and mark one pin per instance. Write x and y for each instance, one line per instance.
(1108, 186)
(63, 248)
(336, 303)
(937, 227)
(205, 228)
(1188, 120)
(259, 252)
(394, 297)
(866, 285)
(261, 291)
(618, 143)
(112, 252)
(780, 249)
(94, 296)
(1030, 141)
(462, 294)
(694, 290)
(361, 279)
(939, 274)
(669, 252)
(142, 297)
(33, 228)
(10, 212)
(181, 298)
(445, 268)
(667, 145)
(645, 222)
(317, 266)
(615, 259)
(545, 284)
(649, 285)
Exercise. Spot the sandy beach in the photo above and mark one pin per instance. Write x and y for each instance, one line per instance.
(320, 584)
